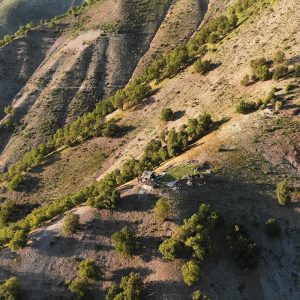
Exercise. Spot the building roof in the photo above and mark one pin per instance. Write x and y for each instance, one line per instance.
(147, 175)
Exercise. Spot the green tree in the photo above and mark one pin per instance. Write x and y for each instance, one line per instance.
(89, 270)
(19, 240)
(70, 224)
(166, 114)
(283, 193)
(10, 289)
(79, 287)
(163, 209)
(246, 107)
(191, 272)
(169, 249)
(124, 241)
(202, 66)
(132, 286)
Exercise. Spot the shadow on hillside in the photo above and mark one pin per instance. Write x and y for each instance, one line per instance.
(106, 227)
(178, 115)
(117, 274)
(125, 130)
(137, 202)
(147, 247)
(168, 290)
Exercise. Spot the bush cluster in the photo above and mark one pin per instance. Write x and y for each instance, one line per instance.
(7, 209)
(88, 273)
(244, 251)
(131, 288)
(194, 234)
(124, 241)
(10, 289)
(198, 295)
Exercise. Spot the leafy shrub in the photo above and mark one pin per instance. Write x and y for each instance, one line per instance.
(280, 72)
(89, 270)
(6, 210)
(166, 114)
(10, 289)
(15, 182)
(283, 193)
(163, 209)
(246, 107)
(131, 288)
(169, 248)
(79, 287)
(191, 272)
(19, 240)
(244, 251)
(198, 295)
(202, 66)
(71, 224)
(260, 69)
(296, 71)
(273, 228)
(279, 57)
(124, 241)
(246, 80)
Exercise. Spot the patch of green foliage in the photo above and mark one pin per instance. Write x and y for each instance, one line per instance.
(124, 241)
(6, 210)
(70, 224)
(194, 234)
(131, 288)
(169, 249)
(89, 270)
(283, 193)
(163, 209)
(198, 295)
(79, 287)
(166, 114)
(246, 107)
(202, 66)
(191, 272)
(10, 289)
(244, 251)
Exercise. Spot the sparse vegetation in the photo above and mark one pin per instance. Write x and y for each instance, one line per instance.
(131, 288)
(71, 224)
(244, 251)
(10, 289)
(124, 241)
(246, 80)
(283, 193)
(273, 228)
(279, 57)
(280, 71)
(260, 69)
(19, 240)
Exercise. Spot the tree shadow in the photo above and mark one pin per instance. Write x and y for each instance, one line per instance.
(147, 247)
(137, 202)
(117, 274)
(125, 130)
(178, 115)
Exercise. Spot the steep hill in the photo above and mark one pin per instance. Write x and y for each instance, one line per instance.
(15, 13)
(239, 160)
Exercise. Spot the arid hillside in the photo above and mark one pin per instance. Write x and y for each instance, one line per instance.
(218, 123)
